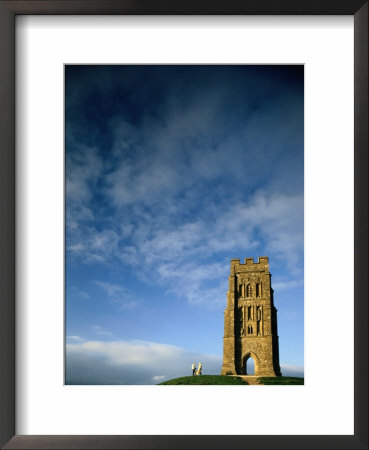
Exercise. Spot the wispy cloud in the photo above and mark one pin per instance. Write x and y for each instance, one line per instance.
(111, 289)
(75, 291)
(75, 339)
(181, 255)
(98, 330)
(285, 285)
(119, 295)
(201, 178)
(158, 378)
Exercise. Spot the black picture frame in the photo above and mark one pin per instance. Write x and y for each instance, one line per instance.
(8, 12)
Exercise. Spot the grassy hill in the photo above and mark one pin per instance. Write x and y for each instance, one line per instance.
(205, 379)
(222, 379)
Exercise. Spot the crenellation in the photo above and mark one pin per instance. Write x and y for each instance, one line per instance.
(250, 267)
(263, 260)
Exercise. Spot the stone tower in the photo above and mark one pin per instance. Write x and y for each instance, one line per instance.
(250, 320)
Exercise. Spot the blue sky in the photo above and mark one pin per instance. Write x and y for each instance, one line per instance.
(172, 171)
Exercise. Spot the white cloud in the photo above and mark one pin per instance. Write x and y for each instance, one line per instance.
(289, 370)
(128, 306)
(75, 339)
(75, 291)
(178, 255)
(191, 281)
(132, 362)
(111, 289)
(119, 295)
(92, 245)
(84, 168)
(285, 285)
(98, 330)
(158, 378)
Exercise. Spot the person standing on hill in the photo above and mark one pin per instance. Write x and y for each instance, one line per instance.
(199, 369)
(193, 369)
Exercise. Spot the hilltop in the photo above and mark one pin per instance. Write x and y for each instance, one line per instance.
(234, 380)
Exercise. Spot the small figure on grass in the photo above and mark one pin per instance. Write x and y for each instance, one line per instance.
(199, 369)
(193, 369)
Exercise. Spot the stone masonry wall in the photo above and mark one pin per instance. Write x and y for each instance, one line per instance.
(250, 320)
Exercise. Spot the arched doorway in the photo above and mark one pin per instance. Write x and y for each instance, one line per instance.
(250, 364)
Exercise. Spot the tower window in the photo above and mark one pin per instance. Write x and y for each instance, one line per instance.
(249, 290)
(258, 313)
(258, 290)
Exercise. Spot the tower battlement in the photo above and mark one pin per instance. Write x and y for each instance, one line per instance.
(262, 264)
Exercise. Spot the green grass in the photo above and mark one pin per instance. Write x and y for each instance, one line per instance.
(221, 379)
(205, 379)
(281, 380)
